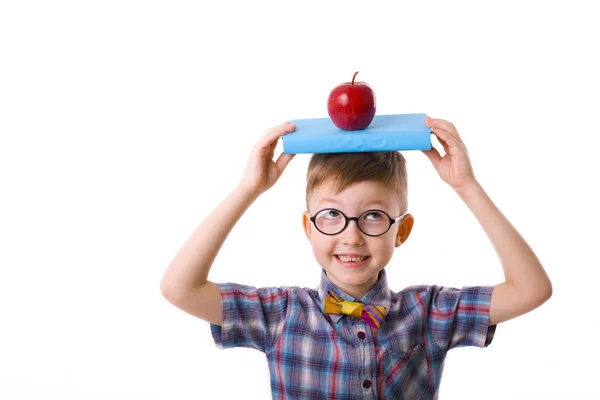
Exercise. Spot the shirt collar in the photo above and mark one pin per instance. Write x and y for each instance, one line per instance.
(379, 295)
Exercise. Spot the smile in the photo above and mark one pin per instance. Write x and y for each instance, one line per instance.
(354, 261)
(351, 259)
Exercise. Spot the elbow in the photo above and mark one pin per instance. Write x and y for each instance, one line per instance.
(547, 291)
(166, 289)
(170, 293)
(534, 295)
(168, 286)
(541, 295)
(173, 290)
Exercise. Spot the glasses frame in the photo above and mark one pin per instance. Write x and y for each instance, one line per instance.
(355, 219)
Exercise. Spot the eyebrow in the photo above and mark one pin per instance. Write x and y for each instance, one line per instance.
(368, 203)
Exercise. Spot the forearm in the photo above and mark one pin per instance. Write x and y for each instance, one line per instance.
(522, 269)
(189, 269)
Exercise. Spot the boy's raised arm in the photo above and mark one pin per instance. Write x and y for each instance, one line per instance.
(185, 283)
(526, 285)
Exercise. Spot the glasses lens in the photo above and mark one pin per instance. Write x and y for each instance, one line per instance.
(374, 222)
(330, 221)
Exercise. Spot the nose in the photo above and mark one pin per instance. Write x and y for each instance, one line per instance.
(352, 236)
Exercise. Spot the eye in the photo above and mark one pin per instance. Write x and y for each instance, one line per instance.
(375, 216)
(330, 214)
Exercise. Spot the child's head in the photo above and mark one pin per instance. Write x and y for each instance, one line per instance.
(351, 184)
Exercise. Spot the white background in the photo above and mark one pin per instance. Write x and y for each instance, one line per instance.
(124, 123)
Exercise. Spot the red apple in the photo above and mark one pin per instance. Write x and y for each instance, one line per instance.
(351, 105)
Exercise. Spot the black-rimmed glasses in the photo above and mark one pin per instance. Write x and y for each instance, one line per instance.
(330, 221)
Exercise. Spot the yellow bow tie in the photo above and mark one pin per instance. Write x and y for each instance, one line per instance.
(372, 315)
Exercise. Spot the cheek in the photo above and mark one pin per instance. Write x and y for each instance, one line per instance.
(322, 247)
(385, 247)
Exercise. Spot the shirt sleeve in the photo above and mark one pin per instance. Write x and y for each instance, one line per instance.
(250, 317)
(459, 317)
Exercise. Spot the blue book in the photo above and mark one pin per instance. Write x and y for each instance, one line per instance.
(385, 133)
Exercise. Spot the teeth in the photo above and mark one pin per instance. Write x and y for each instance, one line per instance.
(351, 259)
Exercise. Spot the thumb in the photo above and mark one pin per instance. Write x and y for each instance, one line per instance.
(282, 161)
(433, 155)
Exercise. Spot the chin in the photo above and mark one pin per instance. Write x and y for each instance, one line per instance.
(354, 277)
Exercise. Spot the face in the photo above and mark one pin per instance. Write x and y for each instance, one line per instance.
(358, 277)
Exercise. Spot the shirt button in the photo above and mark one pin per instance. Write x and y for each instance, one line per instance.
(361, 335)
(367, 384)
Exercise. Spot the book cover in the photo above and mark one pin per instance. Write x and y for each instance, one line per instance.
(385, 133)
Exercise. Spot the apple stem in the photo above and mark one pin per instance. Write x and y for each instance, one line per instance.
(354, 77)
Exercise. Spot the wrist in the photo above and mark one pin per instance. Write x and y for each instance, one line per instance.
(469, 189)
(248, 193)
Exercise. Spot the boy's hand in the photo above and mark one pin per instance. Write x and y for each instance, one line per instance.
(261, 172)
(455, 167)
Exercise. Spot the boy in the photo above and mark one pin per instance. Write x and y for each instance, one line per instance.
(353, 337)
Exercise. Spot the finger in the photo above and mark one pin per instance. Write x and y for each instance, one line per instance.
(427, 121)
(448, 141)
(273, 145)
(271, 136)
(278, 131)
(265, 149)
(279, 126)
(444, 145)
(269, 132)
(446, 125)
(440, 141)
(282, 161)
(433, 155)
(442, 123)
(270, 152)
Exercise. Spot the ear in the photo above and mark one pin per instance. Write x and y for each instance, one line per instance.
(406, 225)
(307, 225)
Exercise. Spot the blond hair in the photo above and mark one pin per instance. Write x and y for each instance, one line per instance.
(341, 170)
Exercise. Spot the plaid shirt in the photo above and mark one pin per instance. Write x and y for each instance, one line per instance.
(312, 355)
